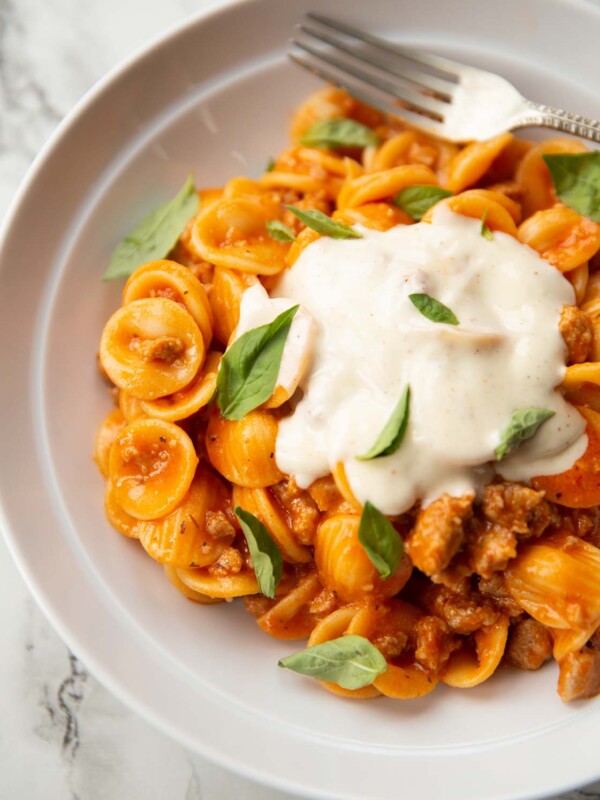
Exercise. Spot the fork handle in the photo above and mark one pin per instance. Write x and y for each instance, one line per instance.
(549, 117)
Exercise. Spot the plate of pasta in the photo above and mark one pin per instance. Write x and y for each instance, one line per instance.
(329, 429)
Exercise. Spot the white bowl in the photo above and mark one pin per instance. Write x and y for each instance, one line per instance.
(214, 97)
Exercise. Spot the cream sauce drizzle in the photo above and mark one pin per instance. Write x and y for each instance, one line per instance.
(466, 380)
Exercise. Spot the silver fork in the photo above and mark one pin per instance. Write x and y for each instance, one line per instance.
(443, 97)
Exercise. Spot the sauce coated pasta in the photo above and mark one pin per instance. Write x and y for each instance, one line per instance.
(362, 394)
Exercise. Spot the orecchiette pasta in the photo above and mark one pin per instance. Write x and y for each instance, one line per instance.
(233, 234)
(561, 236)
(151, 467)
(383, 185)
(225, 297)
(344, 566)
(291, 617)
(471, 164)
(189, 400)
(196, 532)
(151, 348)
(533, 176)
(466, 669)
(497, 208)
(118, 517)
(244, 450)
(105, 436)
(175, 282)
(264, 506)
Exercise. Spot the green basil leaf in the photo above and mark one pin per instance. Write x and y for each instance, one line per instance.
(280, 231)
(270, 165)
(523, 424)
(267, 560)
(381, 541)
(249, 368)
(576, 178)
(416, 200)
(350, 661)
(338, 133)
(156, 235)
(433, 309)
(324, 225)
(485, 230)
(390, 438)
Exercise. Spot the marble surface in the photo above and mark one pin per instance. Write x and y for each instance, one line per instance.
(62, 735)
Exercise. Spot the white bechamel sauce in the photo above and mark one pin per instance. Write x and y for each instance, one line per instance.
(258, 309)
(481, 107)
(466, 380)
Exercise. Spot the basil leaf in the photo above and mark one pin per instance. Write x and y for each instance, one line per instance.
(523, 424)
(323, 224)
(249, 368)
(381, 541)
(337, 133)
(485, 231)
(350, 661)
(433, 309)
(270, 165)
(267, 560)
(156, 235)
(280, 231)
(390, 438)
(416, 200)
(576, 179)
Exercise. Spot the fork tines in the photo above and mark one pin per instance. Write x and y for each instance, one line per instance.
(394, 78)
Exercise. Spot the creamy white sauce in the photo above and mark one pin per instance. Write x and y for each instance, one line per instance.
(482, 106)
(258, 309)
(466, 380)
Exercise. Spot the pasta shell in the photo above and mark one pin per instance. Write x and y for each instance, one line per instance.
(151, 466)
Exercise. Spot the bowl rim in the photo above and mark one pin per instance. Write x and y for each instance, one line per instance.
(104, 674)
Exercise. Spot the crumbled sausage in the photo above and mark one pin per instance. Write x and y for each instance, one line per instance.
(391, 646)
(490, 549)
(529, 644)
(584, 523)
(511, 505)
(257, 604)
(435, 643)
(494, 587)
(580, 523)
(577, 331)
(580, 672)
(439, 532)
(324, 603)
(302, 511)
(457, 575)
(229, 562)
(162, 348)
(545, 515)
(304, 518)
(511, 513)
(325, 494)
(218, 526)
(287, 490)
(463, 613)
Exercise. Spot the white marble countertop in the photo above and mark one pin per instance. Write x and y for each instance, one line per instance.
(62, 735)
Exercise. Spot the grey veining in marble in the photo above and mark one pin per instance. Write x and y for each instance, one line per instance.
(62, 735)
